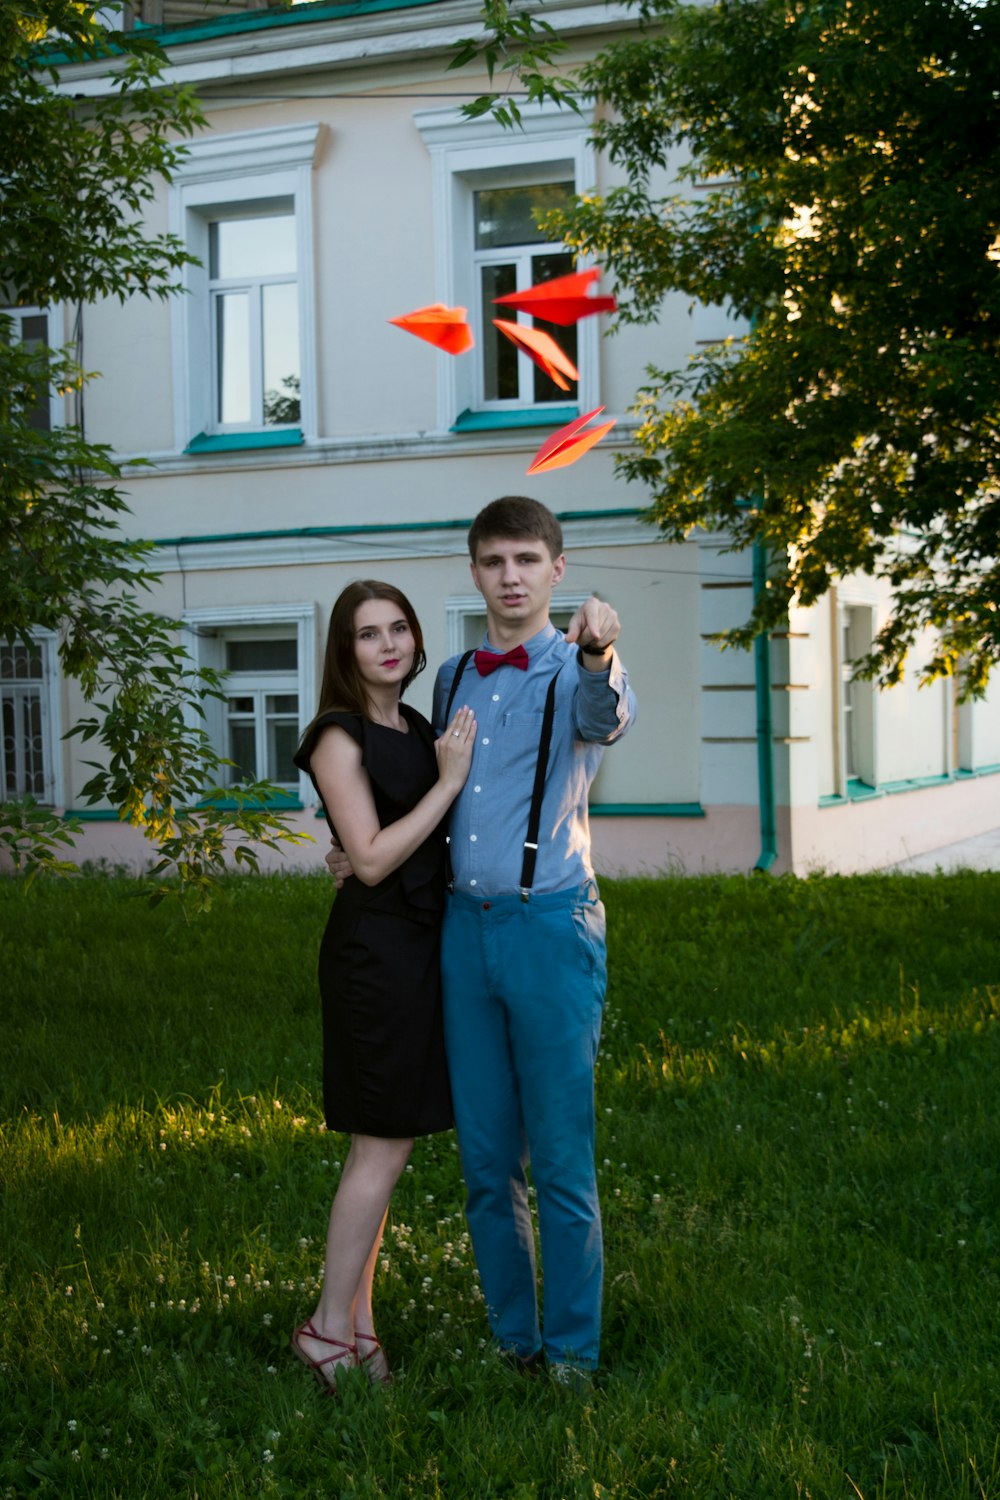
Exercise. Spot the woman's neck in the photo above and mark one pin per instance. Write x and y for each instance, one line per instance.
(384, 708)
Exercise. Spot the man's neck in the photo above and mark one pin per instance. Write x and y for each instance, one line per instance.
(503, 635)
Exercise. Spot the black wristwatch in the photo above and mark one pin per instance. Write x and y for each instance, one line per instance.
(596, 650)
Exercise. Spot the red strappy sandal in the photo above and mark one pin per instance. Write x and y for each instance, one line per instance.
(348, 1355)
(378, 1375)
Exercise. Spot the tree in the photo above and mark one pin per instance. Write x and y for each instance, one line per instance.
(847, 161)
(75, 179)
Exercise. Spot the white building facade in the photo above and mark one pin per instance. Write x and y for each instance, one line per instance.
(298, 440)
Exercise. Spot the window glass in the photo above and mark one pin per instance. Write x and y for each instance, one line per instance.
(282, 736)
(546, 267)
(258, 246)
(242, 744)
(499, 354)
(280, 317)
(261, 656)
(232, 343)
(506, 216)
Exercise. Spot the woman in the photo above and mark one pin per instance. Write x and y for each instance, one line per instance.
(386, 785)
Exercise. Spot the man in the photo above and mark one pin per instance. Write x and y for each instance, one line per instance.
(523, 952)
(523, 955)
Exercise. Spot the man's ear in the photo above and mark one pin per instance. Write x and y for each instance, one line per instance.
(475, 575)
(559, 569)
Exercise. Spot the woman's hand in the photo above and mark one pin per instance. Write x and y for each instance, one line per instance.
(454, 749)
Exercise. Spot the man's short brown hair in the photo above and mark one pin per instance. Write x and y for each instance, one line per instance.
(514, 517)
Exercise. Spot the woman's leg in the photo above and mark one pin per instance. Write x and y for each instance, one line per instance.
(353, 1238)
(369, 1348)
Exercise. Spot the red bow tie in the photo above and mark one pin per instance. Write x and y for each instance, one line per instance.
(488, 661)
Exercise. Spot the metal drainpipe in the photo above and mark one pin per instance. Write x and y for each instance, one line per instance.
(765, 758)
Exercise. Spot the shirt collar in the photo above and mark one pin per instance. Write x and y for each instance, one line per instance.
(534, 646)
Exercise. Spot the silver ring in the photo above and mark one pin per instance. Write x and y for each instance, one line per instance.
(455, 734)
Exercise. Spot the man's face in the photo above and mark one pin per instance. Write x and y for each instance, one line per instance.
(516, 578)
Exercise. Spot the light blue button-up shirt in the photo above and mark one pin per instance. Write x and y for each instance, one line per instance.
(489, 820)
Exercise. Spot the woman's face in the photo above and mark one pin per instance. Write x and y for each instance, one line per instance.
(383, 642)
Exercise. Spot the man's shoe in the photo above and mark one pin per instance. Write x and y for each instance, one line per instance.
(524, 1364)
(572, 1378)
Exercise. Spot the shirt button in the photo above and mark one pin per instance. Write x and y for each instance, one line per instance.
(486, 906)
(473, 882)
(485, 742)
(496, 697)
(477, 788)
(473, 838)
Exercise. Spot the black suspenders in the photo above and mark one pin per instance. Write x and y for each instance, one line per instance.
(537, 791)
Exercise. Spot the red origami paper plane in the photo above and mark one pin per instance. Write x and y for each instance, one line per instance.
(569, 444)
(444, 327)
(563, 300)
(542, 348)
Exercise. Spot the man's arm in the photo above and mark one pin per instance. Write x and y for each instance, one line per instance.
(605, 704)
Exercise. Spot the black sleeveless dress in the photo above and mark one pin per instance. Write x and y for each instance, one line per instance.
(384, 1068)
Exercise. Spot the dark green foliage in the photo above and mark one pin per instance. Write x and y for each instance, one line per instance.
(76, 178)
(855, 152)
(830, 171)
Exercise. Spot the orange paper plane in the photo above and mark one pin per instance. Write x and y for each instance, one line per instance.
(563, 300)
(569, 444)
(542, 348)
(444, 327)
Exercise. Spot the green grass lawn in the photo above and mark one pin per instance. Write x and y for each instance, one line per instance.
(798, 1145)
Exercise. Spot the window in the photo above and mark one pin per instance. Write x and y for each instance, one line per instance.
(261, 708)
(29, 713)
(267, 654)
(245, 357)
(857, 699)
(34, 327)
(253, 293)
(487, 184)
(511, 254)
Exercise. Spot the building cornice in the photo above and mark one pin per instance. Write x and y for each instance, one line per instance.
(312, 546)
(258, 46)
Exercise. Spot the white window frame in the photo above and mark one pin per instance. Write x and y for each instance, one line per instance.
(251, 287)
(205, 632)
(847, 612)
(54, 794)
(56, 321)
(552, 145)
(520, 255)
(219, 177)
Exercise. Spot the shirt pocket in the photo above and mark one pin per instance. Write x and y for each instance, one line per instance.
(519, 737)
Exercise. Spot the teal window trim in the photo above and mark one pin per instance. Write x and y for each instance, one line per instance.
(915, 783)
(282, 802)
(220, 26)
(497, 421)
(858, 791)
(376, 529)
(646, 810)
(285, 802)
(232, 442)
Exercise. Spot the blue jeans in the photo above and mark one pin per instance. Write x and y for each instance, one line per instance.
(523, 1000)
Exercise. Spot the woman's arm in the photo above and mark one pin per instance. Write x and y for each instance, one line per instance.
(375, 852)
